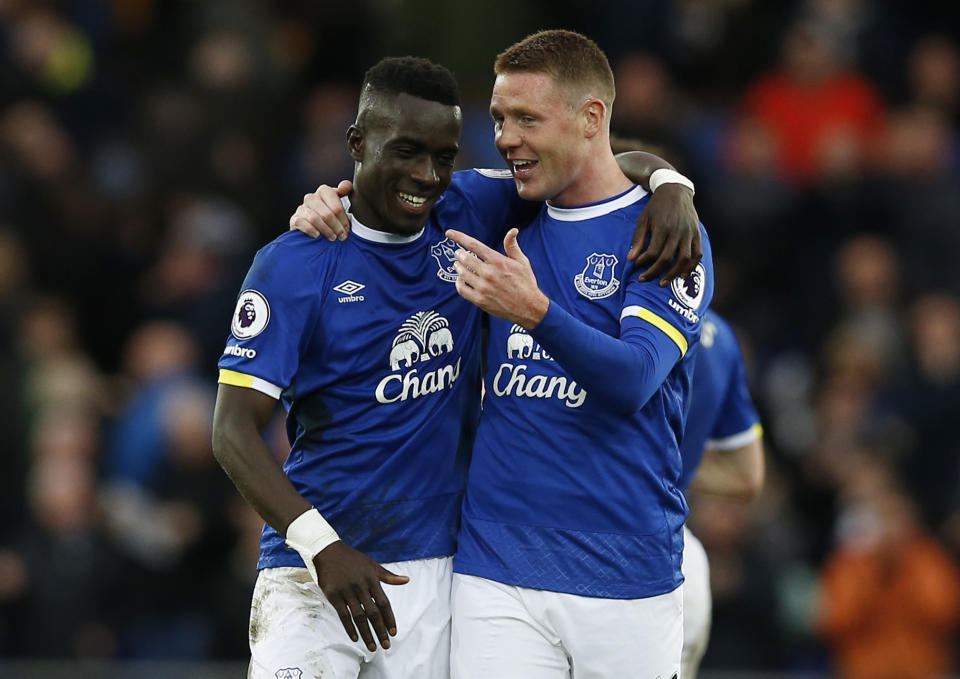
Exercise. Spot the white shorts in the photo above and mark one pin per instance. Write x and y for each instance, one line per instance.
(697, 603)
(506, 632)
(293, 627)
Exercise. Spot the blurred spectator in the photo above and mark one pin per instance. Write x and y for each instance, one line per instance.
(927, 400)
(744, 632)
(159, 357)
(822, 114)
(891, 594)
(934, 76)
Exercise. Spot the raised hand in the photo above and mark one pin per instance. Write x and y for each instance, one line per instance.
(504, 286)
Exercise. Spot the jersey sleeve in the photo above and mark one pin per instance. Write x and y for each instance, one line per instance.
(737, 422)
(272, 321)
(675, 310)
(488, 201)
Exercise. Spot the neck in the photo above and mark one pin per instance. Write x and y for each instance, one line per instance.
(598, 178)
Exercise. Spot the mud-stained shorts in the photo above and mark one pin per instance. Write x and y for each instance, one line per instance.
(295, 633)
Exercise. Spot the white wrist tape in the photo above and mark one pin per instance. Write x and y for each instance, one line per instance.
(665, 176)
(310, 533)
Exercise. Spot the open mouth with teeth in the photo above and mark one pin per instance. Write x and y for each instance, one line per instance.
(412, 202)
(523, 169)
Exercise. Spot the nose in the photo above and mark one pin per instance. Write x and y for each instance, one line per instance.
(425, 172)
(507, 136)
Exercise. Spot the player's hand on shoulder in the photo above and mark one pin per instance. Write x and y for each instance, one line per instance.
(672, 223)
(351, 582)
(321, 213)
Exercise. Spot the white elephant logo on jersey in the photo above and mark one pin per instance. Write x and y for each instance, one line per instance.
(520, 345)
(289, 673)
(597, 281)
(424, 335)
(445, 253)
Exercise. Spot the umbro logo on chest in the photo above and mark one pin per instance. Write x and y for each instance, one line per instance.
(349, 289)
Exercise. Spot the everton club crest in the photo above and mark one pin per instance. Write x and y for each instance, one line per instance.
(597, 281)
(445, 254)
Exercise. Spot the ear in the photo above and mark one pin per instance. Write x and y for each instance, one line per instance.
(355, 142)
(594, 117)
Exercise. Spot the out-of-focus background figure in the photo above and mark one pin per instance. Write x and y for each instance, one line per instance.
(148, 148)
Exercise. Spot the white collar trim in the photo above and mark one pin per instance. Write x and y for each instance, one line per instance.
(578, 214)
(366, 233)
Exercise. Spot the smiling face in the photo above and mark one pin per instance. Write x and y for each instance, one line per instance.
(538, 132)
(405, 148)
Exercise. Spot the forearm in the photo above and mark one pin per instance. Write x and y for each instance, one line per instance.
(735, 473)
(639, 165)
(239, 447)
(624, 375)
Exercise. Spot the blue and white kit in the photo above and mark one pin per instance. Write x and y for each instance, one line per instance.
(574, 483)
(722, 414)
(377, 361)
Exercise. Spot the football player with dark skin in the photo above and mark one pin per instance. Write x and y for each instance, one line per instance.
(404, 149)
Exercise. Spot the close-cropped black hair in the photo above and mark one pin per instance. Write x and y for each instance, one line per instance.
(415, 76)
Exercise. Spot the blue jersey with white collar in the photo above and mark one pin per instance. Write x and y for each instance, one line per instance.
(376, 359)
(722, 415)
(575, 488)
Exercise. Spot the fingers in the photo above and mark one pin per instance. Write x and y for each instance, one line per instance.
(360, 618)
(343, 612)
(471, 243)
(654, 248)
(300, 223)
(661, 263)
(682, 266)
(639, 236)
(383, 604)
(391, 578)
(344, 188)
(512, 247)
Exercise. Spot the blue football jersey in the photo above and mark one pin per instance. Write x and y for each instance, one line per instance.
(376, 359)
(722, 415)
(565, 494)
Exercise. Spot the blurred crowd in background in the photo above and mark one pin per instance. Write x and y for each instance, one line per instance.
(148, 148)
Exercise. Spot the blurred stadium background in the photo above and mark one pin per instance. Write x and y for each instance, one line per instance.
(147, 148)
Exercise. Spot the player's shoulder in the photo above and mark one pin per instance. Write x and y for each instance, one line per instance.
(295, 245)
(293, 256)
(469, 183)
(718, 336)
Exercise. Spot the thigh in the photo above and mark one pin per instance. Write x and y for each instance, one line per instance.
(697, 603)
(495, 635)
(620, 637)
(295, 632)
(421, 649)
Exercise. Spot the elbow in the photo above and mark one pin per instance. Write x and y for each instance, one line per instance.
(754, 473)
(223, 444)
(626, 402)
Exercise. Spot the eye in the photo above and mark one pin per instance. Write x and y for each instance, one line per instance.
(404, 152)
(447, 159)
(527, 120)
(497, 122)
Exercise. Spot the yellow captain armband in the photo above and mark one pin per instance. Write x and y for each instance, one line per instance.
(658, 322)
(235, 379)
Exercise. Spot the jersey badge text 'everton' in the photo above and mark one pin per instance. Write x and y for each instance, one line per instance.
(597, 279)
